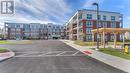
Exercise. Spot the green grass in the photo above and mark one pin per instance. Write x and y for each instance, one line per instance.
(115, 52)
(2, 50)
(81, 43)
(4, 42)
(118, 43)
(16, 42)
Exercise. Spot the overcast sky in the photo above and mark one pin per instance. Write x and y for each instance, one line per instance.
(59, 11)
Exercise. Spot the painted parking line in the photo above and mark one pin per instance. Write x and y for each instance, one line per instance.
(44, 54)
(75, 53)
(61, 53)
(52, 54)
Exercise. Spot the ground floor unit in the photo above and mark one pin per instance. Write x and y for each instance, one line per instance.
(93, 37)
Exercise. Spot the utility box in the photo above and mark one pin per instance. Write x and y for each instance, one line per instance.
(126, 48)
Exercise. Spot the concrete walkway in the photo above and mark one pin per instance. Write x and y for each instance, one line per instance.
(114, 61)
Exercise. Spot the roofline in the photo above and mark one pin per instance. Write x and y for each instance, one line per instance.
(100, 11)
(21, 23)
(33, 23)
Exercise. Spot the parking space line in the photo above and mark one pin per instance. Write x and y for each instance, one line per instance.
(61, 53)
(75, 53)
(49, 54)
(44, 54)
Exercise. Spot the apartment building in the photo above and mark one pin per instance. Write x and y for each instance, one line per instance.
(34, 31)
(83, 21)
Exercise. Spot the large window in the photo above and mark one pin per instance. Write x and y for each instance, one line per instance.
(104, 17)
(17, 26)
(99, 24)
(113, 25)
(113, 18)
(89, 37)
(99, 17)
(57, 27)
(80, 16)
(81, 24)
(26, 26)
(105, 24)
(89, 23)
(12, 25)
(88, 30)
(89, 16)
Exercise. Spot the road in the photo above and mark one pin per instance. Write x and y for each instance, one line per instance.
(51, 57)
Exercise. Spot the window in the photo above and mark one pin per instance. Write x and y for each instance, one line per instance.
(112, 18)
(80, 24)
(88, 30)
(41, 26)
(99, 24)
(17, 26)
(53, 27)
(113, 25)
(104, 17)
(89, 23)
(89, 37)
(62, 27)
(89, 16)
(26, 26)
(105, 24)
(57, 27)
(99, 17)
(45, 26)
(80, 30)
(49, 26)
(12, 25)
(80, 16)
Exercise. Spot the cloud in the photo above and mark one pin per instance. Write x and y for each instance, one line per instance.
(43, 11)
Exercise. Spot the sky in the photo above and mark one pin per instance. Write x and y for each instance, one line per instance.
(60, 11)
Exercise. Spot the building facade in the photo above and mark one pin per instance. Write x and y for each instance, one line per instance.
(34, 31)
(83, 21)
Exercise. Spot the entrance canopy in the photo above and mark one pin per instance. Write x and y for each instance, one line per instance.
(115, 31)
(112, 30)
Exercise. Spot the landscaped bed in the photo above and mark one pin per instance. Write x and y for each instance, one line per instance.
(115, 52)
(3, 50)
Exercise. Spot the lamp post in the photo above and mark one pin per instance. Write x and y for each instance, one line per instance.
(96, 4)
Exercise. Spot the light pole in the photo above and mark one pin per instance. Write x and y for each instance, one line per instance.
(96, 4)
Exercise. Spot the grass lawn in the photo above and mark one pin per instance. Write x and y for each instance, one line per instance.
(2, 50)
(16, 42)
(118, 43)
(81, 43)
(4, 42)
(115, 52)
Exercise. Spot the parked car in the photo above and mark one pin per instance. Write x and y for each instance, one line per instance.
(3, 39)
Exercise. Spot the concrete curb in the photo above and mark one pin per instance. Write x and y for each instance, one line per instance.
(7, 55)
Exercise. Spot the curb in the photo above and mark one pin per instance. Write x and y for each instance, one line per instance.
(9, 54)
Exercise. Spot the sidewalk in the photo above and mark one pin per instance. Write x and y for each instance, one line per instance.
(114, 61)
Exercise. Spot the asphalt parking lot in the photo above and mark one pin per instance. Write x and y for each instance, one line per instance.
(51, 56)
